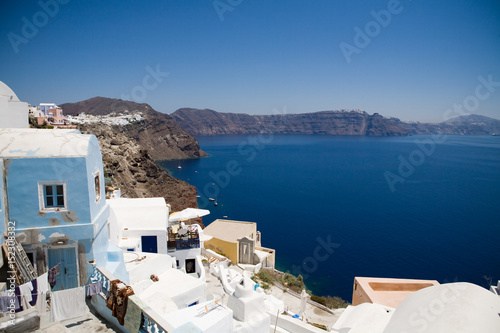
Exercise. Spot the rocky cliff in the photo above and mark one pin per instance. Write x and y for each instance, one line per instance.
(158, 133)
(130, 168)
(344, 122)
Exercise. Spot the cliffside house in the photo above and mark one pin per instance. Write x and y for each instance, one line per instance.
(56, 116)
(46, 107)
(36, 113)
(139, 224)
(52, 194)
(142, 225)
(51, 113)
(240, 242)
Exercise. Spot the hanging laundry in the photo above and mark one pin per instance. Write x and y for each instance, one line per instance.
(118, 299)
(68, 304)
(112, 293)
(8, 302)
(43, 288)
(43, 283)
(94, 288)
(18, 296)
(26, 296)
(34, 292)
(52, 273)
(26, 290)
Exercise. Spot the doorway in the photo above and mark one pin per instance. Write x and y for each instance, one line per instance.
(68, 267)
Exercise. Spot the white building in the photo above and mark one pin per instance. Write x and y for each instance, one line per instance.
(139, 224)
(13, 112)
(452, 307)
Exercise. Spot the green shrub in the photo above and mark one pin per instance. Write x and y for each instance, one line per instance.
(265, 286)
(292, 282)
(319, 299)
(266, 275)
(336, 302)
(330, 302)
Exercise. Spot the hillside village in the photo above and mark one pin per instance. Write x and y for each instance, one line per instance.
(76, 252)
(52, 115)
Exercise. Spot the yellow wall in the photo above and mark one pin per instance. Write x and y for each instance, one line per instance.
(229, 249)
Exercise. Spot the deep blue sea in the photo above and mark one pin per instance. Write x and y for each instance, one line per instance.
(420, 207)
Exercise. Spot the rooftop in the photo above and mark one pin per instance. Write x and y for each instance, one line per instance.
(33, 143)
(453, 307)
(387, 291)
(231, 231)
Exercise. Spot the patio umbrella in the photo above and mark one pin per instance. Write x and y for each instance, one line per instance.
(188, 213)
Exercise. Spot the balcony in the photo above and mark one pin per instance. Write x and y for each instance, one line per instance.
(184, 239)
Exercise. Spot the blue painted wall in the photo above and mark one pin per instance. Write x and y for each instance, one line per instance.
(23, 176)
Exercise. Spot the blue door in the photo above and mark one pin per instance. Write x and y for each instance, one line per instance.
(149, 244)
(68, 274)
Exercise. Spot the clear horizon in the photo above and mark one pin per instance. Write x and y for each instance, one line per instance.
(414, 60)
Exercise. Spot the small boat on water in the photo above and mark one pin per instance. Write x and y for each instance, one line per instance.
(198, 196)
(211, 199)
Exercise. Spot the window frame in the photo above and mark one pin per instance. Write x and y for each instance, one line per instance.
(97, 195)
(41, 196)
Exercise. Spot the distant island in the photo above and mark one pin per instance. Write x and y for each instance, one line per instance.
(342, 122)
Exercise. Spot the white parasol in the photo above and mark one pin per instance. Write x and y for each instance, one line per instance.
(188, 213)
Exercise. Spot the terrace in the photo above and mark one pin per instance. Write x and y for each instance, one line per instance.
(183, 238)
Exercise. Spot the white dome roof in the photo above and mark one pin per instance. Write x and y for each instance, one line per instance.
(6, 91)
(452, 307)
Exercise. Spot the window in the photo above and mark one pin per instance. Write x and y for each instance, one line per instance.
(97, 186)
(52, 196)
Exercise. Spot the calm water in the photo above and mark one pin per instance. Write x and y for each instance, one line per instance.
(442, 221)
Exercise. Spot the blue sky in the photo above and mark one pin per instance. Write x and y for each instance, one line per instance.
(257, 57)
